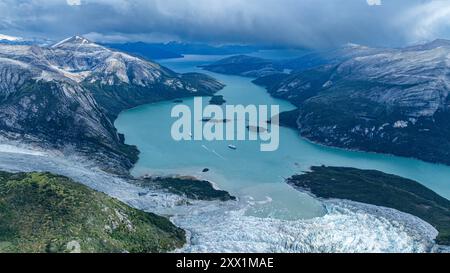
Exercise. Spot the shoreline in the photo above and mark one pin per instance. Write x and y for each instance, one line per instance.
(377, 189)
(394, 215)
(183, 215)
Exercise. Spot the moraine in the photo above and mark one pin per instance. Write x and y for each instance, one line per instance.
(268, 203)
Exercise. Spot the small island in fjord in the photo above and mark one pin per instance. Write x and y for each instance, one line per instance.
(380, 189)
(217, 100)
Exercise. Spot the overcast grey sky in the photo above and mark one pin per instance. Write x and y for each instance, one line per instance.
(310, 23)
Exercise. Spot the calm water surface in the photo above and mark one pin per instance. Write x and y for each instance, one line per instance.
(256, 177)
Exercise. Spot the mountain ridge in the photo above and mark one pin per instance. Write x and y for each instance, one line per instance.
(395, 101)
(70, 93)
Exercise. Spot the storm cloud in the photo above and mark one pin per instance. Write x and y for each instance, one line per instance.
(310, 23)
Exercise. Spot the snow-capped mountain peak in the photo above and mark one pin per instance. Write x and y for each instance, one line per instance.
(74, 40)
(354, 45)
(76, 59)
(430, 45)
(9, 38)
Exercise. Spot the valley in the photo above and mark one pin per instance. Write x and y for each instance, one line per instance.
(241, 202)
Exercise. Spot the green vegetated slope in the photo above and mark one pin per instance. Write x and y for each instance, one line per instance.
(42, 212)
(187, 186)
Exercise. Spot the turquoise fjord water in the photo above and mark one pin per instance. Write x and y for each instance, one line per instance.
(254, 176)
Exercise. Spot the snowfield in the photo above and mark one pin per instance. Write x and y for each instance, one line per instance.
(225, 227)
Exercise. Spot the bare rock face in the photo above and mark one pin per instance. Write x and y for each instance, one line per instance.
(390, 101)
(70, 93)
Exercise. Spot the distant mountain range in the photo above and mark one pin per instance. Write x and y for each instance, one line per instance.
(66, 96)
(155, 51)
(13, 40)
(4, 37)
(146, 50)
(243, 65)
(250, 66)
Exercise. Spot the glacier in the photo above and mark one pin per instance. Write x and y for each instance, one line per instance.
(346, 227)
